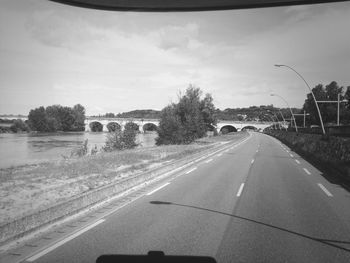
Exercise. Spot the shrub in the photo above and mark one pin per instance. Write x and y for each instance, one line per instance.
(82, 150)
(121, 140)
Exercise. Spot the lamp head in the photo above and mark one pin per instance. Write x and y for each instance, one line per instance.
(278, 65)
(272, 94)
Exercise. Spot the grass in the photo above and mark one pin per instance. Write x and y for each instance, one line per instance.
(27, 188)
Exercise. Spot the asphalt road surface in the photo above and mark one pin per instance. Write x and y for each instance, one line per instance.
(256, 202)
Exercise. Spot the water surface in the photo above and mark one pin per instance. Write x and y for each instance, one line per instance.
(19, 149)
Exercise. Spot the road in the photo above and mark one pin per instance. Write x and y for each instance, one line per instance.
(256, 202)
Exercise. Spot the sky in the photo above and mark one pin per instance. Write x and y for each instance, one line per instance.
(120, 61)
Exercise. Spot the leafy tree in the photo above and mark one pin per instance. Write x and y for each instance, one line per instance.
(38, 120)
(170, 129)
(67, 119)
(19, 126)
(347, 97)
(328, 110)
(121, 140)
(131, 126)
(113, 126)
(96, 126)
(57, 118)
(79, 117)
(187, 120)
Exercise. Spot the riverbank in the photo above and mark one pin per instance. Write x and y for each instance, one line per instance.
(30, 188)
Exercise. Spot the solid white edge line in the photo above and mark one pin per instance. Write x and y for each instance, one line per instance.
(306, 171)
(325, 190)
(60, 243)
(195, 168)
(155, 190)
(297, 161)
(208, 161)
(291, 155)
(240, 190)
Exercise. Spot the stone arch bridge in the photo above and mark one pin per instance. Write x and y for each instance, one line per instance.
(151, 124)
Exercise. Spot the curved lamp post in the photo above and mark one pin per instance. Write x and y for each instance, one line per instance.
(295, 124)
(313, 95)
(284, 121)
(273, 121)
(279, 125)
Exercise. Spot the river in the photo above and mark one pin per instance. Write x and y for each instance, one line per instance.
(19, 149)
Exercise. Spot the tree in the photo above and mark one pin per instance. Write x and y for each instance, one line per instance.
(170, 129)
(131, 126)
(328, 110)
(38, 120)
(347, 97)
(96, 126)
(121, 140)
(208, 111)
(113, 126)
(187, 120)
(19, 126)
(79, 117)
(57, 118)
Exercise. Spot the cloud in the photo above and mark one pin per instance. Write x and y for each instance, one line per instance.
(175, 36)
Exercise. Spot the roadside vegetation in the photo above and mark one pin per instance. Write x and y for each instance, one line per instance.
(29, 188)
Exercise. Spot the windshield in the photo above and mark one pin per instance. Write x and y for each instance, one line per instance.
(222, 134)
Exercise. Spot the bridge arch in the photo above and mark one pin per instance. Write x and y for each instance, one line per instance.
(149, 126)
(228, 128)
(113, 126)
(249, 127)
(96, 126)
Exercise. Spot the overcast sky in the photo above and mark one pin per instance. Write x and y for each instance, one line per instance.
(121, 61)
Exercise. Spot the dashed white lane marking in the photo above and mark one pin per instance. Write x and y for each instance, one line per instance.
(63, 241)
(252, 161)
(60, 243)
(306, 171)
(240, 189)
(257, 151)
(325, 190)
(297, 161)
(191, 170)
(155, 190)
(208, 161)
(291, 155)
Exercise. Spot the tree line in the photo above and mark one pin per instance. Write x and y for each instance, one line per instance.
(328, 110)
(57, 118)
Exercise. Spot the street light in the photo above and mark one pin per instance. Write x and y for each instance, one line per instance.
(284, 121)
(313, 95)
(279, 125)
(295, 124)
(273, 121)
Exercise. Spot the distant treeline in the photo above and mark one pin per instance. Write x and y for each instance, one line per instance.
(137, 114)
(253, 113)
(13, 126)
(57, 118)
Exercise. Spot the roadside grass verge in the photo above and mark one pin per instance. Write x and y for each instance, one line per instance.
(29, 188)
